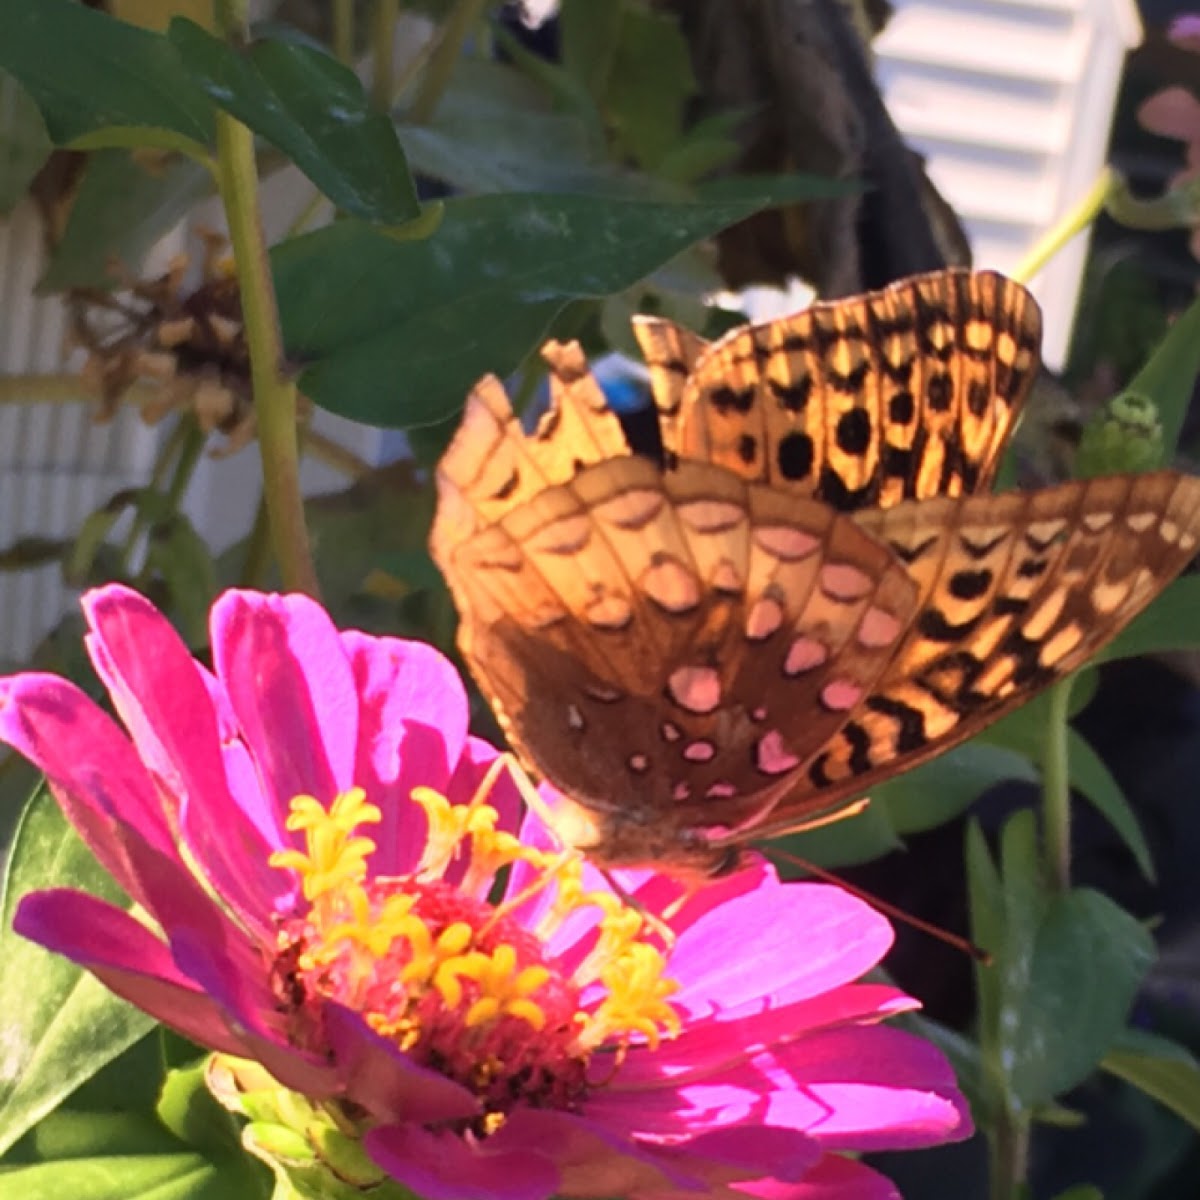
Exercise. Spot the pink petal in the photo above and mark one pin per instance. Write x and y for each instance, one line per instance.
(95, 775)
(167, 706)
(412, 729)
(833, 1178)
(1174, 113)
(386, 1082)
(446, 1167)
(707, 1047)
(292, 691)
(783, 940)
(129, 959)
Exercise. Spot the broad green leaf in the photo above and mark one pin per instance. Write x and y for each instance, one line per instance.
(1160, 1068)
(79, 1133)
(1088, 960)
(1091, 777)
(122, 209)
(179, 1176)
(1024, 900)
(61, 1025)
(986, 900)
(588, 37)
(1168, 377)
(87, 71)
(314, 109)
(1023, 733)
(867, 836)
(1081, 1191)
(395, 333)
(1172, 622)
(937, 791)
(24, 143)
(649, 84)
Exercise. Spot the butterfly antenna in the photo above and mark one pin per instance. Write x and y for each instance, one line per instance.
(968, 947)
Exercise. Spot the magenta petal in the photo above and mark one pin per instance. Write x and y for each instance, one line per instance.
(291, 689)
(445, 1167)
(100, 784)
(127, 958)
(744, 1151)
(725, 1038)
(750, 947)
(833, 1178)
(388, 1083)
(412, 729)
(167, 706)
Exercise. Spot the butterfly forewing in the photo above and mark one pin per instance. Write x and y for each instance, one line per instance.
(906, 392)
(1017, 590)
(687, 641)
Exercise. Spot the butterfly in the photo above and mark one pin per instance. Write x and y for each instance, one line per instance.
(806, 589)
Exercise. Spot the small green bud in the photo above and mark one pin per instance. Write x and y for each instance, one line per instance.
(1124, 437)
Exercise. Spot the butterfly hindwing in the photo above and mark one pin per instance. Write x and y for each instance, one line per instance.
(863, 402)
(1017, 590)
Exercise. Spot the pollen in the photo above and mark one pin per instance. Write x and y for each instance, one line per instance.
(456, 982)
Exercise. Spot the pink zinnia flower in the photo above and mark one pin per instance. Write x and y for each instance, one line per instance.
(316, 838)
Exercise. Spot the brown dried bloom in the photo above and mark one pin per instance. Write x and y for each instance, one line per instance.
(190, 342)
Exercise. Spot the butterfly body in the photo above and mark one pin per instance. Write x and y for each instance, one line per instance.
(809, 593)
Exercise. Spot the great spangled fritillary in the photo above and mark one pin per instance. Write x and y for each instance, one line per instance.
(809, 591)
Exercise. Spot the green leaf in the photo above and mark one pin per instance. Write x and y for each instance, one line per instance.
(314, 109)
(87, 71)
(1168, 376)
(1023, 732)
(179, 1176)
(24, 143)
(845, 843)
(1164, 1070)
(1088, 960)
(1091, 777)
(493, 132)
(1081, 1191)
(121, 210)
(649, 85)
(987, 931)
(61, 1024)
(939, 790)
(1172, 622)
(394, 333)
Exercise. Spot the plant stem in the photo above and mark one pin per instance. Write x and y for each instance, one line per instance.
(1056, 788)
(387, 13)
(274, 396)
(343, 30)
(1009, 1158)
(1071, 223)
(442, 61)
(258, 550)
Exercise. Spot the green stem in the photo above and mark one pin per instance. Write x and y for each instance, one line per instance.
(462, 17)
(1056, 787)
(1071, 223)
(387, 13)
(343, 30)
(258, 550)
(274, 395)
(185, 464)
(1009, 1159)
